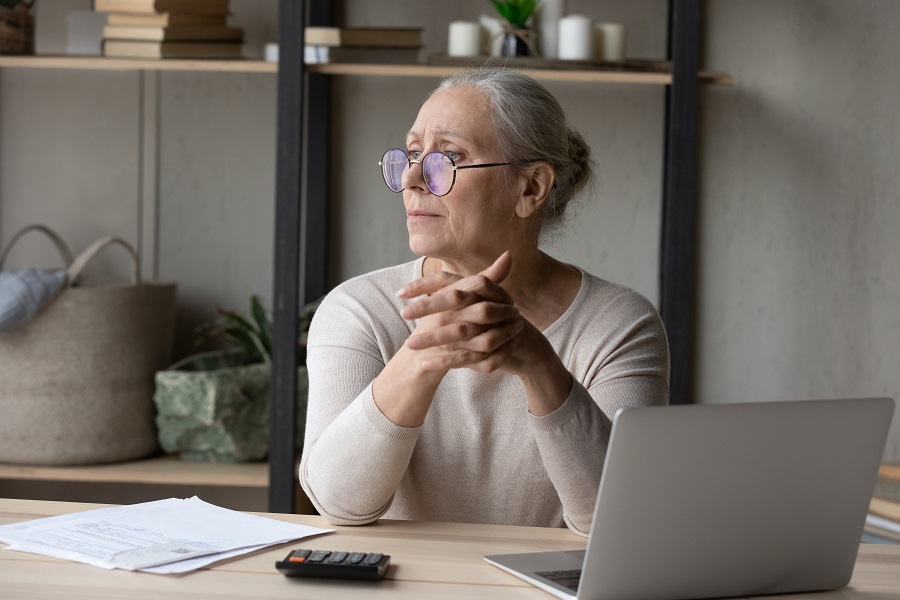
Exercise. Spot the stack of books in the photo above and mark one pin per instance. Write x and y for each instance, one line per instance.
(16, 27)
(393, 45)
(169, 29)
(883, 520)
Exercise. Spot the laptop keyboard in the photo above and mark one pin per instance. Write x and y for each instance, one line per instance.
(568, 578)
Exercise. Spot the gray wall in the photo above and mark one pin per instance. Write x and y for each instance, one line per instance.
(800, 203)
(799, 292)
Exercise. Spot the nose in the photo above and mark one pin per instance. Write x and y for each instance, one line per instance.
(413, 177)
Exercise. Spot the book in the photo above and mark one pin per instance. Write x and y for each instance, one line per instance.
(174, 33)
(887, 489)
(144, 49)
(883, 528)
(167, 19)
(397, 37)
(205, 7)
(341, 54)
(890, 470)
(878, 536)
(885, 509)
(16, 30)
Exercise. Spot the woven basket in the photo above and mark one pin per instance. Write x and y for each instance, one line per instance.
(76, 382)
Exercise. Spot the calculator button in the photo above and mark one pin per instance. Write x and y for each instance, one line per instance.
(337, 557)
(317, 556)
(356, 557)
(372, 559)
(298, 556)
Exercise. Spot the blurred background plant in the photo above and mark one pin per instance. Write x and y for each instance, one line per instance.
(214, 406)
(515, 12)
(253, 333)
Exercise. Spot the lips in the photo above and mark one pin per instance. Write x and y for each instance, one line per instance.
(419, 213)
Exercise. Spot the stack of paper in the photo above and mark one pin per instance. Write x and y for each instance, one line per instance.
(166, 536)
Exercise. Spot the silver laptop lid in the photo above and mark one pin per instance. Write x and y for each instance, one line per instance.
(722, 500)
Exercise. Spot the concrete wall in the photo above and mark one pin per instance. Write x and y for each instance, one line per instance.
(799, 294)
(800, 203)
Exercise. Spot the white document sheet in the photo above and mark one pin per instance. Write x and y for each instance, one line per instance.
(166, 536)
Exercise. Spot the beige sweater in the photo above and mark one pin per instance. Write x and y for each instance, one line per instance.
(480, 456)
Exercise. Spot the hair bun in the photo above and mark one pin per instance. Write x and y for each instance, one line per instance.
(579, 154)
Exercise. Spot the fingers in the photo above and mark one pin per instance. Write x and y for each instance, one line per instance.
(455, 295)
(499, 271)
(448, 299)
(435, 282)
(428, 284)
(479, 344)
(497, 358)
(477, 361)
(464, 325)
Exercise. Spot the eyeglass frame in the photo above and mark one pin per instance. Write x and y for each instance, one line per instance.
(419, 161)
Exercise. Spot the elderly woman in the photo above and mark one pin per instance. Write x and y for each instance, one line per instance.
(477, 383)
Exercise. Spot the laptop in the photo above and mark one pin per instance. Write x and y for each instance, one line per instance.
(724, 500)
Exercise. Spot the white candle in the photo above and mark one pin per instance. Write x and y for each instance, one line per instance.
(464, 39)
(576, 38)
(547, 14)
(610, 42)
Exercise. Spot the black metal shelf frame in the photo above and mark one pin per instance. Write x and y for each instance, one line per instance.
(301, 215)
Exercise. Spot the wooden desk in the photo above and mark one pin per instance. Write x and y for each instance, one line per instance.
(429, 560)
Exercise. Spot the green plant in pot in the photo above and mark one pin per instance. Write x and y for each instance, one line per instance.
(214, 406)
(518, 40)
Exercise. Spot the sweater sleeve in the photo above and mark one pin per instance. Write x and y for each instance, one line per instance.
(346, 433)
(631, 369)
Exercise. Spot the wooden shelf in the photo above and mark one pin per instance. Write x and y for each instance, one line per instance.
(389, 70)
(576, 75)
(168, 470)
(126, 64)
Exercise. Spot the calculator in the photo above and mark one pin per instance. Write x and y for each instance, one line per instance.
(334, 564)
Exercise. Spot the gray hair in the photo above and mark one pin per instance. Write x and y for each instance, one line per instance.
(531, 124)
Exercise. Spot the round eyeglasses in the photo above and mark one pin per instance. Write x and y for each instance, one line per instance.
(438, 170)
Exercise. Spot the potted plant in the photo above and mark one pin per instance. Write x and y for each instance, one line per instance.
(214, 406)
(518, 40)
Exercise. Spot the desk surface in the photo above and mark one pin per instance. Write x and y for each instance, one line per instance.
(429, 560)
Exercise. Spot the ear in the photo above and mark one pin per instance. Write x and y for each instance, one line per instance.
(534, 189)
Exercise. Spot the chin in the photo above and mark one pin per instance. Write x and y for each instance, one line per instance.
(423, 246)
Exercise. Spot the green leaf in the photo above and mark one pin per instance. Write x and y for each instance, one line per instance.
(515, 12)
(253, 334)
(263, 318)
(249, 342)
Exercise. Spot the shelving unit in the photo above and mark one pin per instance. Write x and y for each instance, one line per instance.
(302, 198)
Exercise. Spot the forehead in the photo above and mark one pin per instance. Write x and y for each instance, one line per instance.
(461, 112)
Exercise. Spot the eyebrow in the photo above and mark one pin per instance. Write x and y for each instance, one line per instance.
(441, 133)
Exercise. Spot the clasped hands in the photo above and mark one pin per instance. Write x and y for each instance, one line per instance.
(467, 322)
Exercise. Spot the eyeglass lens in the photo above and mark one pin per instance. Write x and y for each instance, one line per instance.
(393, 164)
(437, 171)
